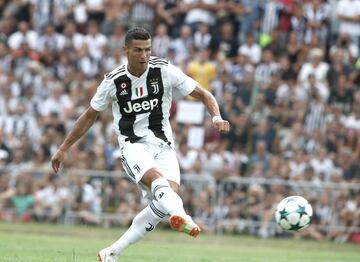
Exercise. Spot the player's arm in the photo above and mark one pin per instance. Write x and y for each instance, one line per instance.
(213, 108)
(82, 125)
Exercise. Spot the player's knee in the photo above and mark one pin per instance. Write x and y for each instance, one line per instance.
(151, 175)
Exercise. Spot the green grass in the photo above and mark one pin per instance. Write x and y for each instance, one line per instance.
(49, 243)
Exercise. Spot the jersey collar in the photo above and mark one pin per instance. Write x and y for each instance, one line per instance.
(132, 77)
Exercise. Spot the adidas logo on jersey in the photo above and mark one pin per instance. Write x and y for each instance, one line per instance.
(124, 92)
(143, 107)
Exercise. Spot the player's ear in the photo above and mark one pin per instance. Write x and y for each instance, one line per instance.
(126, 49)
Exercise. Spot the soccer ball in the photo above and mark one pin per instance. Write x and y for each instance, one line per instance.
(293, 213)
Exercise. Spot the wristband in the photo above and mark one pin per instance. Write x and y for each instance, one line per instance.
(216, 118)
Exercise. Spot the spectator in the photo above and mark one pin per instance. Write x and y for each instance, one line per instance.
(348, 14)
(21, 123)
(349, 50)
(315, 66)
(225, 44)
(51, 199)
(323, 166)
(202, 69)
(50, 40)
(293, 48)
(95, 10)
(86, 202)
(73, 39)
(183, 45)
(23, 35)
(266, 69)
(313, 85)
(202, 36)
(248, 15)
(342, 95)
(143, 13)
(316, 15)
(59, 103)
(21, 199)
(161, 42)
(298, 23)
(200, 13)
(261, 156)
(337, 68)
(5, 58)
(95, 41)
(251, 49)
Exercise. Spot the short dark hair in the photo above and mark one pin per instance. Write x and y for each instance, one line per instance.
(136, 33)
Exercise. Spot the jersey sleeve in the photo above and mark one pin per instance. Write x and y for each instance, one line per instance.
(103, 96)
(181, 81)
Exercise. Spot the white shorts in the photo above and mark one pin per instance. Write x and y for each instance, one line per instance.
(137, 158)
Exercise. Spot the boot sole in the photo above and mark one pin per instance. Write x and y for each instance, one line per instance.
(179, 224)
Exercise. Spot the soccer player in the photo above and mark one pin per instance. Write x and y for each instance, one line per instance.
(141, 93)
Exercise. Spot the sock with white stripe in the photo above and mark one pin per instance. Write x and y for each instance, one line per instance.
(143, 223)
(168, 199)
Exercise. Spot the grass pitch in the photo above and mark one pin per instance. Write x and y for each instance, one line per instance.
(50, 243)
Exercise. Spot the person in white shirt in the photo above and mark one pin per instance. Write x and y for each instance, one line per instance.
(349, 50)
(202, 36)
(322, 164)
(73, 39)
(313, 84)
(199, 12)
(95, 41)
(23, 35)
(51, 40)
(315, 66)
(348, 12)
(20, 123)
(58, 102)
(141, 94)
(251, 49)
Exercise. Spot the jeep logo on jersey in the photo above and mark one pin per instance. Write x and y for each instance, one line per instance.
(141, 107)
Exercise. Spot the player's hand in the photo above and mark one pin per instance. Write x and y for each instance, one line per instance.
(223, 126)
(57, 159)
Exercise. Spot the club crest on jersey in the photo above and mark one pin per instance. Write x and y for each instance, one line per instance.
(139, 91)
(155, 86)
(123, 85)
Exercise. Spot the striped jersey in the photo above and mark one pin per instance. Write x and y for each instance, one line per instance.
(141, 105)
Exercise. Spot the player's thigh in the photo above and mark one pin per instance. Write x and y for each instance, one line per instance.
(168, 164)
(136, 160)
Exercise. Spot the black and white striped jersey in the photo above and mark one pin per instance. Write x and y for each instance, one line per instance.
(141, 105)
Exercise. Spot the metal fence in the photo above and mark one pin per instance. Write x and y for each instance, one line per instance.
(336, 205)
(233, 204)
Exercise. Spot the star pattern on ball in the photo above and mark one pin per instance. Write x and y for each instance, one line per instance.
(301, 211)
(295, 227)
(283, 214)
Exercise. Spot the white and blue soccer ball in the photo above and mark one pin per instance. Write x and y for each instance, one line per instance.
(293, 213)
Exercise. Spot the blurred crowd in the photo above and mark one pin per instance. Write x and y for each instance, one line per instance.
(286, 74)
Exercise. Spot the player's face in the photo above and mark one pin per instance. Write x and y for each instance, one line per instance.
(138, 53)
